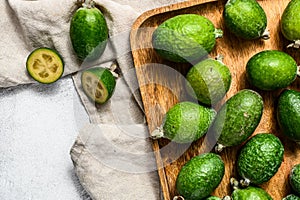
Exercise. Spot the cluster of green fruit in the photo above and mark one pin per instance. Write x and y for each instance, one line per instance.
(89, 35)
(190, 38)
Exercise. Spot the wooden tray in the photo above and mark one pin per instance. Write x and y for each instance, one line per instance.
(161, 86)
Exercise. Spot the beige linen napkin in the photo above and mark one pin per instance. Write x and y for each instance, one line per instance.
(112, 155)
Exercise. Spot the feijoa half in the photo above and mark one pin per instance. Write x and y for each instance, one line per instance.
(185, 38)
(260, 158)
(271, 70)
(98, 84)
(246, 19)
(45, 65)
(200, 176)
(185, 122)
(288, 114)
(209, 80)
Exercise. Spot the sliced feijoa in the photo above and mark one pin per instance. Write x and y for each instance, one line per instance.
(185, 122)
(271, 70)
(185, 38)
(295, 178)
(200, 176)
(250, 192)
(290, 27)
(45, 65)
(237, 119)
(209, 80)
(98, 84)
(260, 158)
(288, 114)
(246, 19)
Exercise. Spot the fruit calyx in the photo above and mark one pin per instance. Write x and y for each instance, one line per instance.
(298, 71)
(218, 33)
(86, 3)
(178, 198)
(266, 35)
(157, 133)
(295, 44)
(219, 148)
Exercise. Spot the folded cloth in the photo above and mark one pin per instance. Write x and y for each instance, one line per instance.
(112, 155)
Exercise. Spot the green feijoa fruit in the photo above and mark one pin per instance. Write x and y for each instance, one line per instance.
(289, 23)
(89, 33)
(246, 19)
(260, 158)
(237, 119)
(271, 70)
(98, 84)
(185, 38)
(200, 176)
(294, 178)
(45, 65)
(213, 198)
(291, 197)
(209, 80)
(185, 122)
(288, 114)
(250, 192)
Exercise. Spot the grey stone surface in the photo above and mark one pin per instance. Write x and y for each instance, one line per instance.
(38, 126)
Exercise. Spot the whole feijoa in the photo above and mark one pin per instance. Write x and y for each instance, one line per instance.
(213, 198)
(271, 70)
(237, 119)
(260, 158)
(288, 114)
(209, 80)
(185, 38)
(294, 178)
(291, 197)
(246, 19)
(200, 176)
(185, 122)
(250, 193)
(88, 32)
(289, 23)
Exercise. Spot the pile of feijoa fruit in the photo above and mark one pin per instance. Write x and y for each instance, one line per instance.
(189, 38)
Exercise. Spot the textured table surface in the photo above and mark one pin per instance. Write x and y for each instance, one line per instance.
(38, 125)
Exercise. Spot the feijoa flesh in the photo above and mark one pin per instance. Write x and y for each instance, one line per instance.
(260, 158)
(237, 119)
(200, 176)
(246, 19)
(250, 192)
(288, 114)
(294, 178)
(209, 80)
(185, 38)
(289, 23)
(88, 32)
(185, 122)
(271, 70)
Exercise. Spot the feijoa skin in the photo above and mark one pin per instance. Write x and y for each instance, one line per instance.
(237, 119)
(260, 158)
(246, 19)
(210, 80)
(185, 122)
(291, 197)
(250, 193)
(185, 38)
(200, 176)
(294, 178)
(288, 114)
(88, 33)
(271, 70)
(289, 23)
(213, 198)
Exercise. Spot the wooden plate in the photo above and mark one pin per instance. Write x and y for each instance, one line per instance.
(162, 85)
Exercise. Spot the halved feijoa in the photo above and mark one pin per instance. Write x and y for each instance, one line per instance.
(45, 65)
(98, 84)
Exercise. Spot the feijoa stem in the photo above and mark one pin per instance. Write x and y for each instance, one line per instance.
(178, 198)
(266, 35)
(295, 44)
(218, 33)
(157, 133)
(219, 148)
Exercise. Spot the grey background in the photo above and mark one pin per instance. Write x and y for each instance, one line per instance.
(38, 125)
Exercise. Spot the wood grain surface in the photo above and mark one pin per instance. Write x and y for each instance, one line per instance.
(162, 85)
